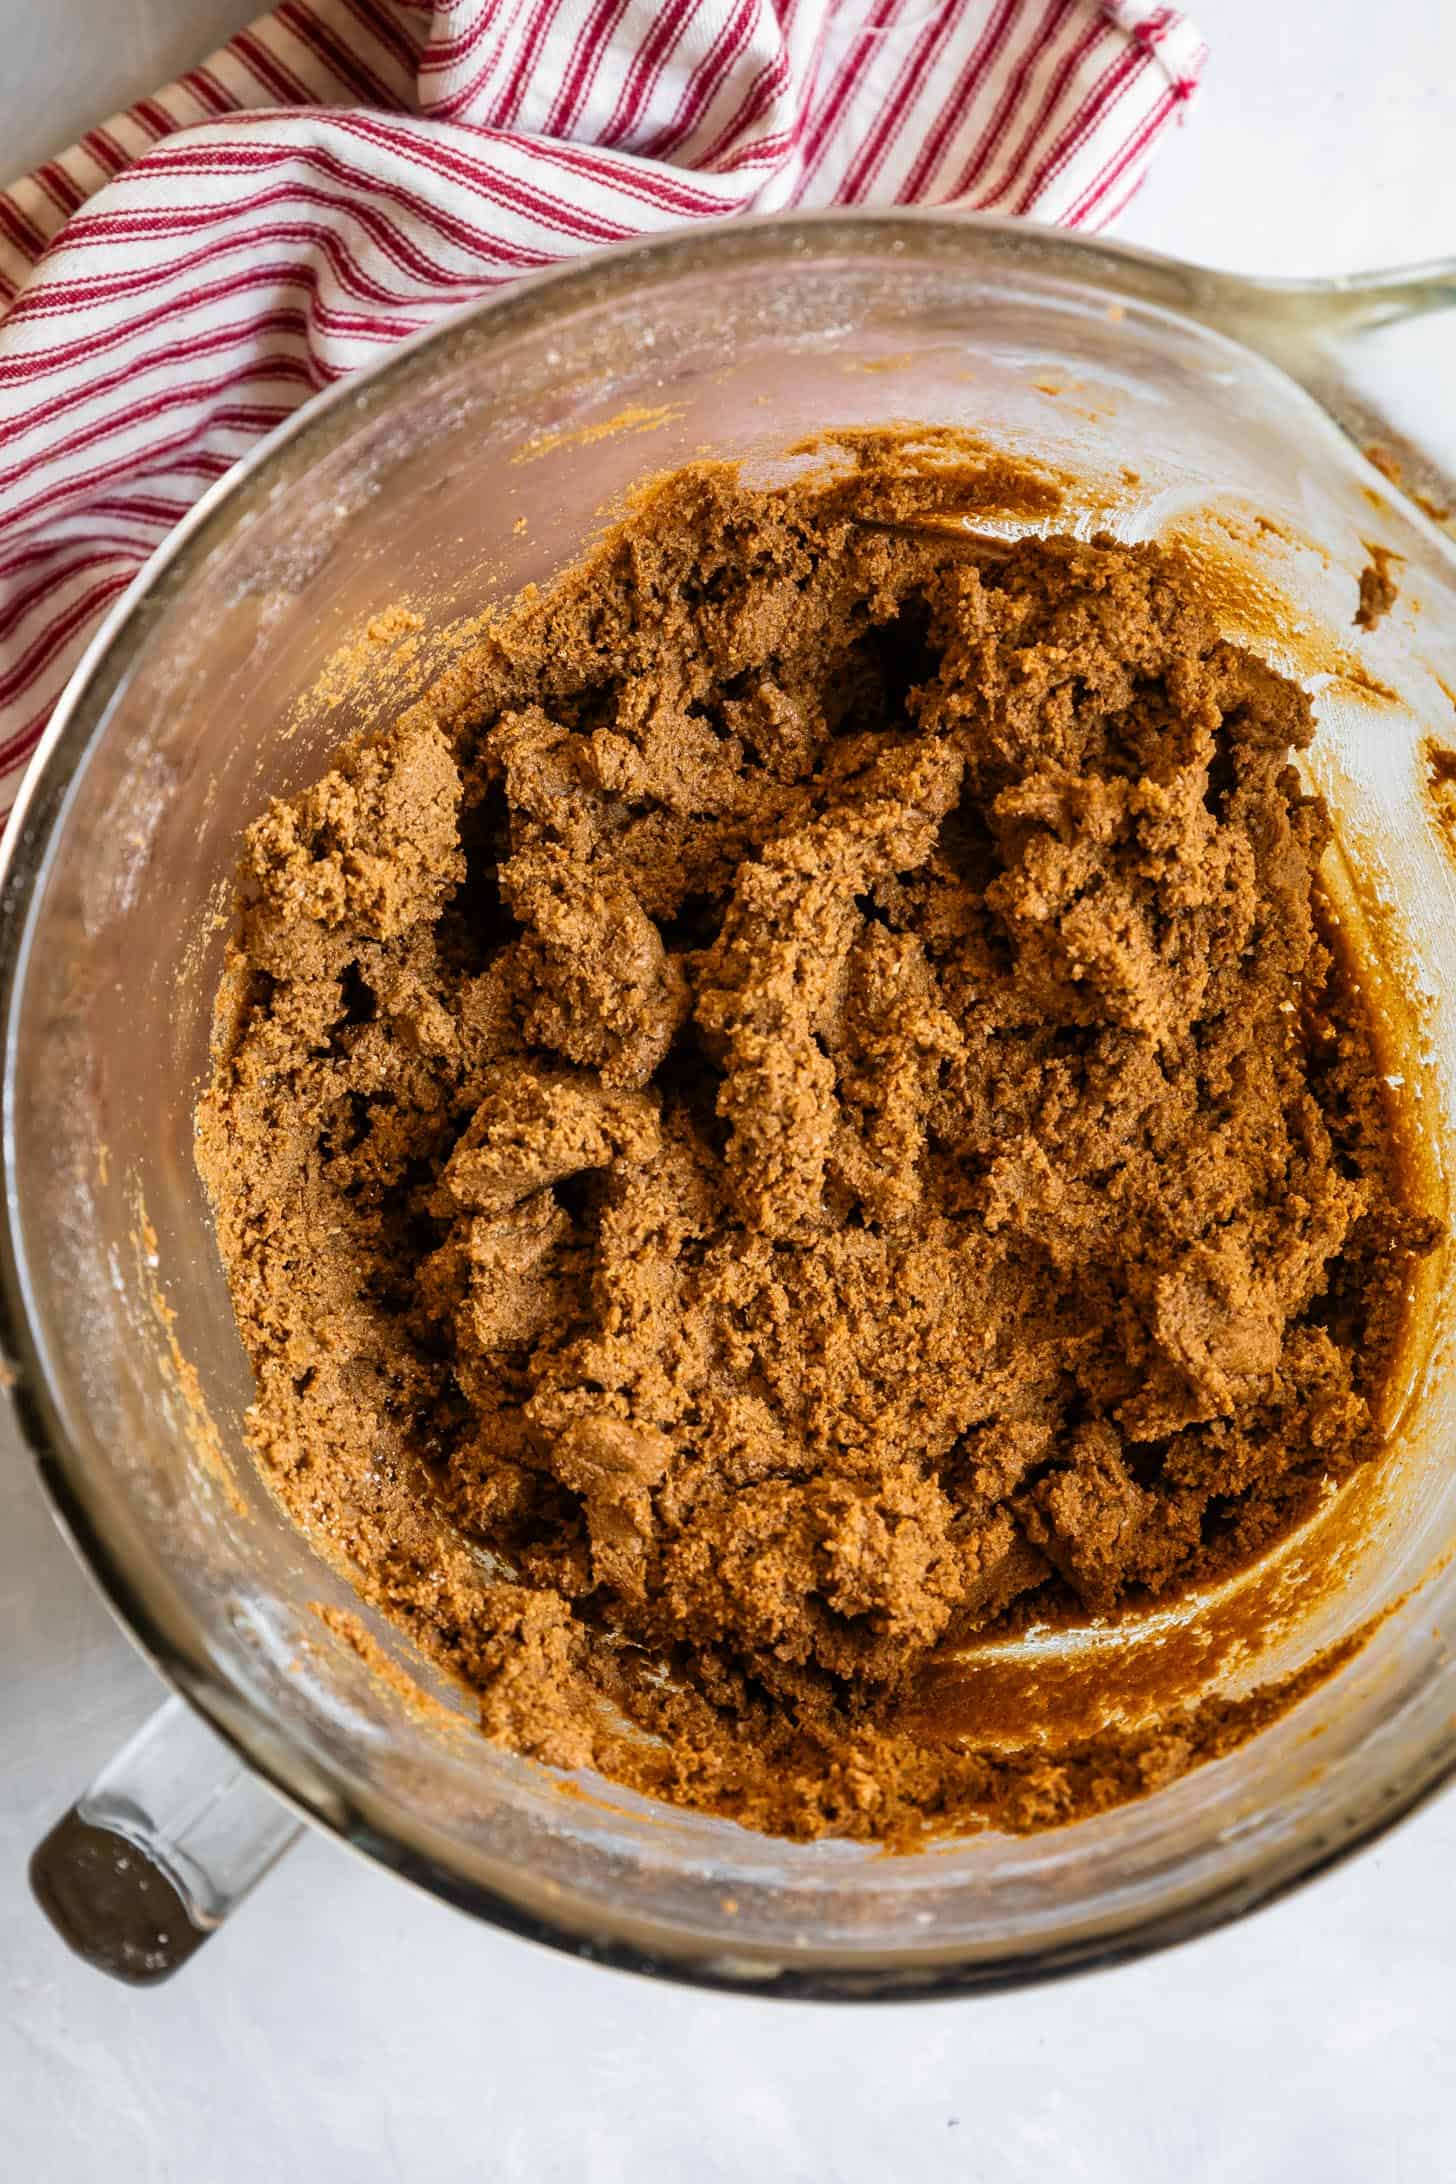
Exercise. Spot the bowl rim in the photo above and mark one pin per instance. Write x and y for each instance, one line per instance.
(315, 1791)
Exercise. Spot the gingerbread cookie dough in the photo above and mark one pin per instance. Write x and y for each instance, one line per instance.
(794, 1110)
(1379, 589)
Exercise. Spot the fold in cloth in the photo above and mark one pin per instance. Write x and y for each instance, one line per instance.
(343, 171)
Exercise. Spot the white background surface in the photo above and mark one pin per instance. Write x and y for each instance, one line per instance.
(345, 2030)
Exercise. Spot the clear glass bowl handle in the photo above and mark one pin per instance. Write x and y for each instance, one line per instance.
(1319, 343)
(1313, 330)
(167, 1840)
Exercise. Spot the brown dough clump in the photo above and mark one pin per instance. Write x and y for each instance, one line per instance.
(1378, 588)
(798, 1102)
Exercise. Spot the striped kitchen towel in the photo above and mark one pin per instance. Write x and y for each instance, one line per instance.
(345, 170)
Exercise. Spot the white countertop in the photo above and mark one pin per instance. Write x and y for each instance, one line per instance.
(1315, 2040)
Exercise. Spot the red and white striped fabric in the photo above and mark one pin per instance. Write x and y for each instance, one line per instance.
(345, 170)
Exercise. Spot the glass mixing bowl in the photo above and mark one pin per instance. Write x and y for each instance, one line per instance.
(476, 458)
